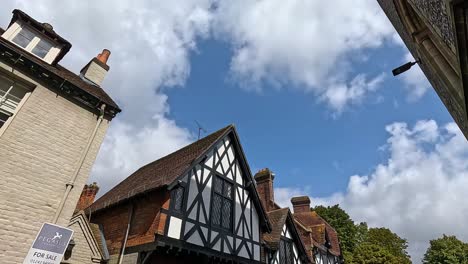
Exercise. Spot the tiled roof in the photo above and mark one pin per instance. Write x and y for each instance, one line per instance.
(161, 172)
(277, 219)
(320, 230)
(59, 71)
(100, 240)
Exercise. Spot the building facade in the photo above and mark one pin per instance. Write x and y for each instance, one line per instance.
(52, 123)
(198, 203)
(283, 243)
(435, 32)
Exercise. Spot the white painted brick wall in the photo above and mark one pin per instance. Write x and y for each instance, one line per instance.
(38, 153)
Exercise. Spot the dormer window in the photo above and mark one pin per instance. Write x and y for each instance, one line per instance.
(32, 42)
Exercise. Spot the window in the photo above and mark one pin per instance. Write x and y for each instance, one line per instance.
(178, 199)
(42, 48)
(32, 42)
(286, 251)
(222, 204)
(11, 94)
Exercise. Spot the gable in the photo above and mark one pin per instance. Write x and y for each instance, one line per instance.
(87, 249)
(288, 248)
(159, 173)
(221, 175)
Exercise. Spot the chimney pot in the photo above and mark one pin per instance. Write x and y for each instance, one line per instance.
(104, 56)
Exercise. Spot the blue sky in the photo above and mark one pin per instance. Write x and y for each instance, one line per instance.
(309, 88)
(291, 132)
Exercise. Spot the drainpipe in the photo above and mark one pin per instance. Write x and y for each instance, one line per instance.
(71, 183)
(130, 217)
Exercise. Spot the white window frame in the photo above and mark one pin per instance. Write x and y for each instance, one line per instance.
(28, 86)
(16, 28)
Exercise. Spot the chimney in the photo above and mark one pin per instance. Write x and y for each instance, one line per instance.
(87, 196)
(264, 179)
(95, 71)
(301, 204)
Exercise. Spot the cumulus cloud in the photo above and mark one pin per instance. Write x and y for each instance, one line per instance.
(419, 192)
(303, 44)
(339, 95)
(150, 47)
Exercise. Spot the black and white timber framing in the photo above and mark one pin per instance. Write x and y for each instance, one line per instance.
(288, 252)
(225, 220)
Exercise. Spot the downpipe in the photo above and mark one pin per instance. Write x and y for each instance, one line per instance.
(71, 183)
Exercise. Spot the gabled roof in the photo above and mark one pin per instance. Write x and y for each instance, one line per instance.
(278, 218)
(159, 173)
(321, 231)
(166, 170)
(92, 236)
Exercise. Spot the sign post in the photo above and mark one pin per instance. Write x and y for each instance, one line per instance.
(50, 245)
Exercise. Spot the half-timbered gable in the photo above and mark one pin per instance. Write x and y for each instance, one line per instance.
(215, 204)
(198, 203)
(284, 243)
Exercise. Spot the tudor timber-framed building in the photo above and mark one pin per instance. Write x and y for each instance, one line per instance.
(201, 204)
(435, 32)
(52, 123)
(198, 204)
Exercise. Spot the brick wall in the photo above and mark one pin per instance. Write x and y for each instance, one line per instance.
(146, 222)
(38, 154)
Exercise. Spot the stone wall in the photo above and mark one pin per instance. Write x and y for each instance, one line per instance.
(39, 151)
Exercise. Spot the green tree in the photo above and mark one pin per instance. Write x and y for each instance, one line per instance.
(385, 238)
(446, 250)
(368, 253)
(342, 223)
(361, 233)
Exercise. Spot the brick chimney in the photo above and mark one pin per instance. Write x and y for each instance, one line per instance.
(87, 196)
(264, 179)
(301, 204)
(95, 71)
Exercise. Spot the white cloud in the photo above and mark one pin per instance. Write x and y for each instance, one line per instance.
(339, 95)
(419, 192)
(150, 45)
(305, 44)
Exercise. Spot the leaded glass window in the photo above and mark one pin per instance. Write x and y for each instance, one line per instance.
(222, 204)
(286, 251)
(178, 198)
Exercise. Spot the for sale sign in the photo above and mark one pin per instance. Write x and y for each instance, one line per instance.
(50, 245)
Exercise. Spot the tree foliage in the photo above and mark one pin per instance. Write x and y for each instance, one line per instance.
(363, 245)
(446, 250)
(385, 238)
(367, 253)
(342, 223)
